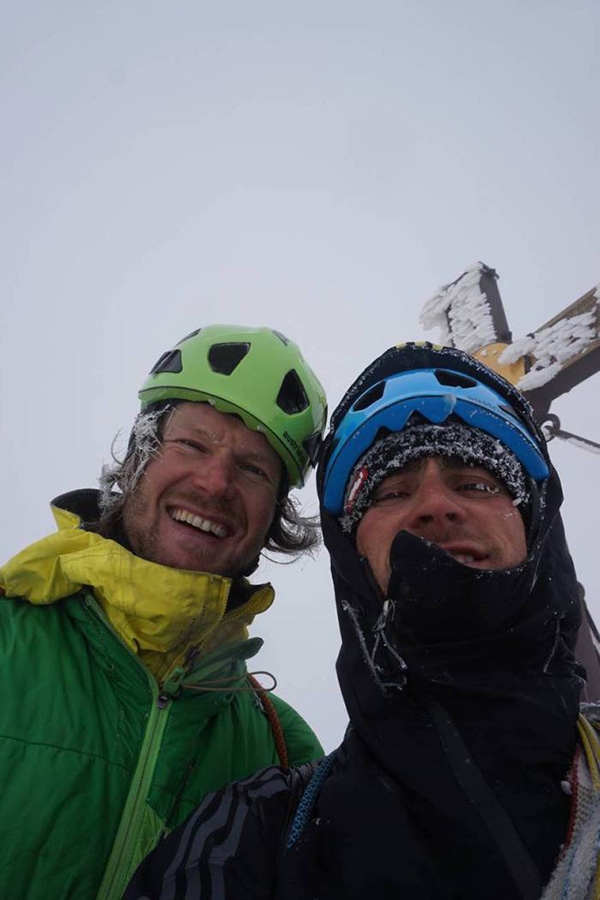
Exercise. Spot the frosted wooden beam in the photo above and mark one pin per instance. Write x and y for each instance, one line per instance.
(550, 361)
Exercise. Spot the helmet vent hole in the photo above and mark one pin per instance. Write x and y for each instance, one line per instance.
(225, 358)
(168, 362)
(453, 379)
(292, 397)
(372, 396)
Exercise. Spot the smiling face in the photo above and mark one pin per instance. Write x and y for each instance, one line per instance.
(463, 509)
(207, 500)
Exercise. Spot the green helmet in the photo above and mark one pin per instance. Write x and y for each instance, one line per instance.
(254, 373)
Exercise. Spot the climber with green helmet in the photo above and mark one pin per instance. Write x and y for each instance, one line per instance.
(124, 635)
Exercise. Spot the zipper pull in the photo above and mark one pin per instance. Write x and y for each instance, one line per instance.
(171, 688)
(162, 701)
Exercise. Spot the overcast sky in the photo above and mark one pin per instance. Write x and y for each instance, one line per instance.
(320, 167)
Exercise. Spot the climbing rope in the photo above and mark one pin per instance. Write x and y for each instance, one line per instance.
(309, 798)
(272, 718)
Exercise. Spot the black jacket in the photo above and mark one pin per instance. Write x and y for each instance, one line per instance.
(463, 696)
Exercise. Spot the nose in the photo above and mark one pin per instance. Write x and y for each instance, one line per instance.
(434, 504)
(215, 475)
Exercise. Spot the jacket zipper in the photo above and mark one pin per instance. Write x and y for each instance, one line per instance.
(119, 866)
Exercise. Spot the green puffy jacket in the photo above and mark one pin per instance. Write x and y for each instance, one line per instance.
(99, 757)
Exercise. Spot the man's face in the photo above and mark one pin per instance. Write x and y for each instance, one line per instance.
(463, 509)
(206, 502)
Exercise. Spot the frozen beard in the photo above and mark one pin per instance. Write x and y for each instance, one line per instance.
(395, 451)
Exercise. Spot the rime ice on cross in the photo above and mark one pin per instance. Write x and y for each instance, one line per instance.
(544, 364)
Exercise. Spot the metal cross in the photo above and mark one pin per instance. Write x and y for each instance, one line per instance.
(549, 362)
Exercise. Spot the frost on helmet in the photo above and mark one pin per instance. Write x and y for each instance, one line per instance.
(257, 374)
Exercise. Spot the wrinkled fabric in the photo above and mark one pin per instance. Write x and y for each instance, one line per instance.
(461, 671)
(160, 612)
(118, 720)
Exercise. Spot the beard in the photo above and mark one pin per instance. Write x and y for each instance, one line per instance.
(150, 533)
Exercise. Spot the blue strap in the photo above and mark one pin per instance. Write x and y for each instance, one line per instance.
(309, 797)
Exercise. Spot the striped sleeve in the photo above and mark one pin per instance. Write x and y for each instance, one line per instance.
(227, 848)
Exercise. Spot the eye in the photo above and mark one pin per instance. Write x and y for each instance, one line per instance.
(254, 470)
(187, 444)
(483, 487)
(390, 495)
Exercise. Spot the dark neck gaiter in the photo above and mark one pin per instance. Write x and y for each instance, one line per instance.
(465, 671)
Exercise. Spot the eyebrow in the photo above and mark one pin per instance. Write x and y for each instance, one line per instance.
(446, 462)
(201, 431)
(454, 462)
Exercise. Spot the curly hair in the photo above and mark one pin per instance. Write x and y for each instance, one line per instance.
(290, 533)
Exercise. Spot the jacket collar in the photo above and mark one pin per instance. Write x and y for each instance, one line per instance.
(155, 609)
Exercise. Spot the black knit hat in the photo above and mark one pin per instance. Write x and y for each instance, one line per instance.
(452, 439)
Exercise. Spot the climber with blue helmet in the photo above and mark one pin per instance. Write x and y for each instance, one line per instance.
(129, 627)
(467, 771)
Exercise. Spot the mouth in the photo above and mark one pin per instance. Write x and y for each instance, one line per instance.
(467, 557)
(200, 523)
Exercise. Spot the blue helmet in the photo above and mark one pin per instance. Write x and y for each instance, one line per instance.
(435, 394)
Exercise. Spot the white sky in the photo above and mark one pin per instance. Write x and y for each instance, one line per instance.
(319, 167)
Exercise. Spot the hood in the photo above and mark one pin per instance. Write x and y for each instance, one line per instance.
(461, 685)
(161, 613)
(444, 621)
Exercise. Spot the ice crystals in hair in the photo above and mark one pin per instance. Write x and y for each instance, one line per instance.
(121, 477)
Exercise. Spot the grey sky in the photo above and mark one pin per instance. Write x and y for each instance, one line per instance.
(319, 167)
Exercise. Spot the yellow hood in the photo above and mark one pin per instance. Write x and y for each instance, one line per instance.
(159, 612)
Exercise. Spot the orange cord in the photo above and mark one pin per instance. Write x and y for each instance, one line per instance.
(273, 720)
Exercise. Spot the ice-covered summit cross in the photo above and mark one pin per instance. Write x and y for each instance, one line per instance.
(544, 364)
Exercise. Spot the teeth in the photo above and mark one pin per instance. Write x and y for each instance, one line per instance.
(182, 515)
(464, 558)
